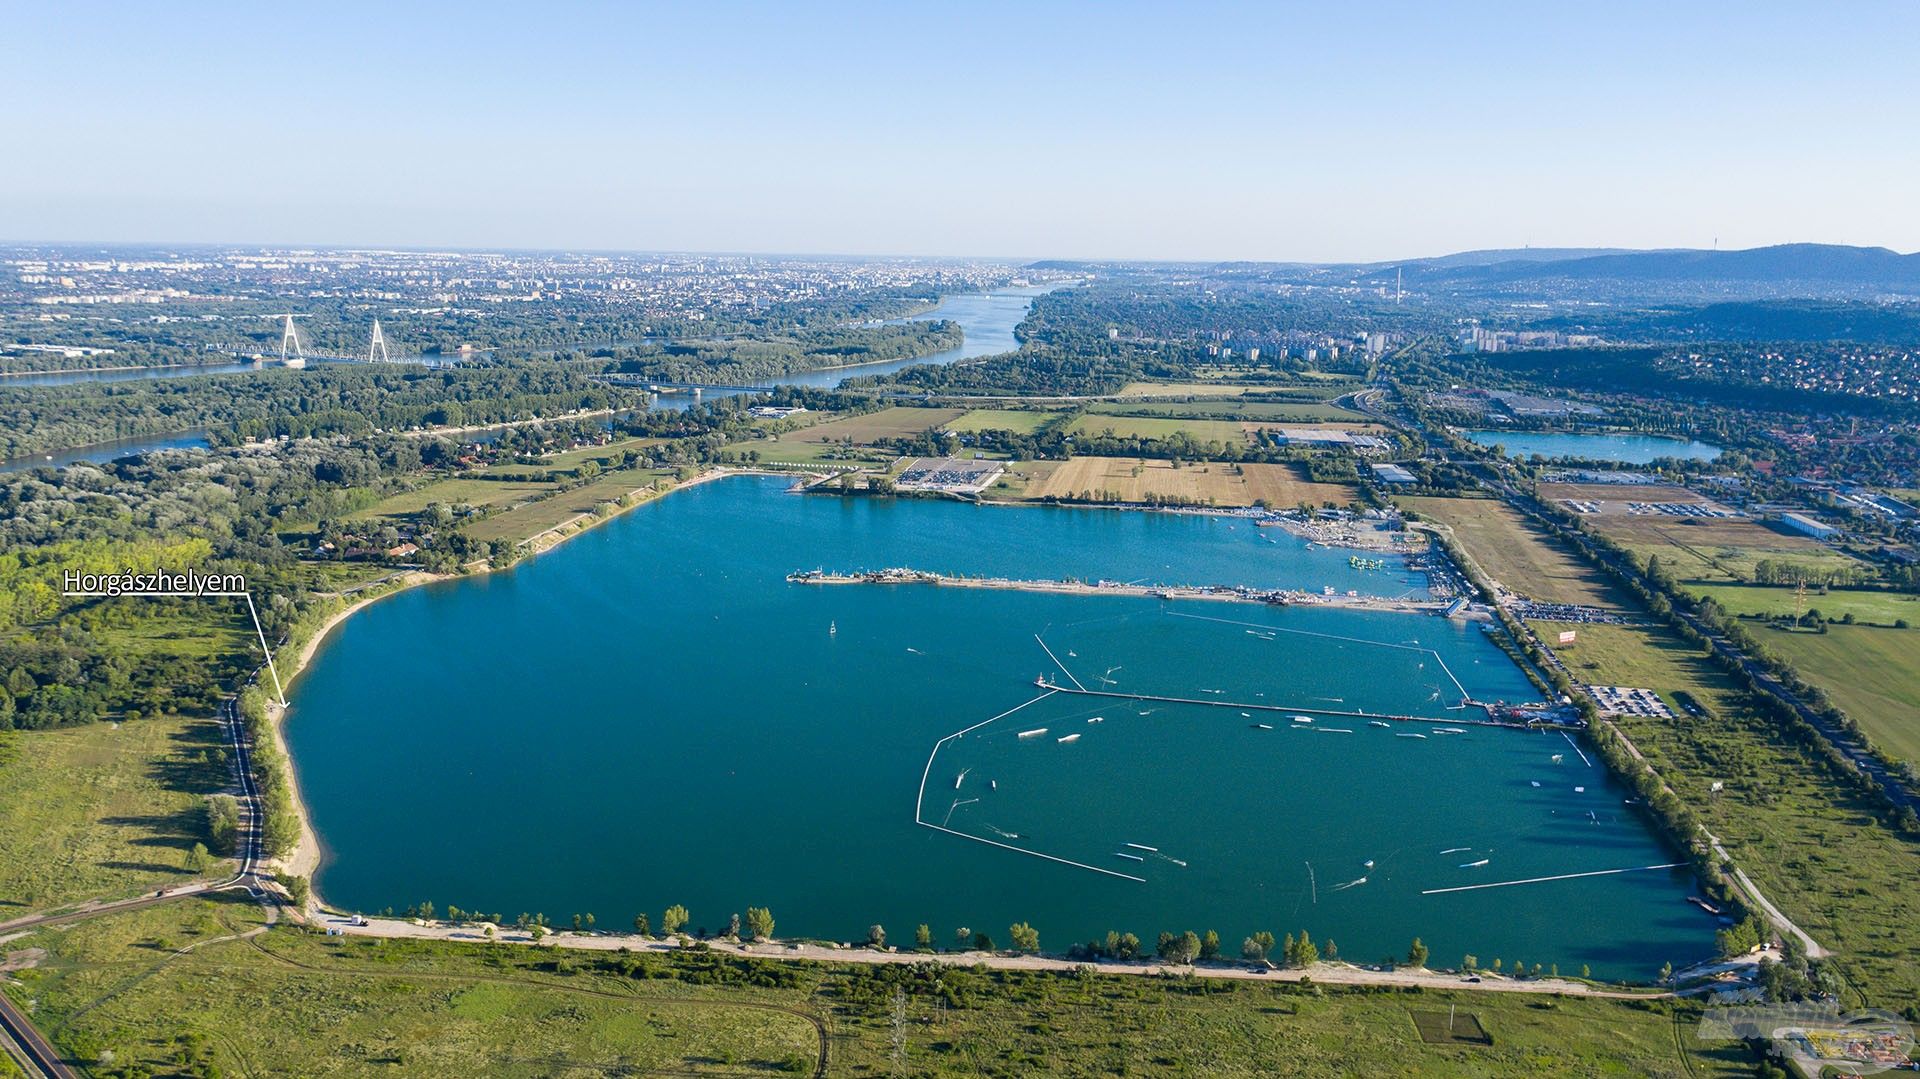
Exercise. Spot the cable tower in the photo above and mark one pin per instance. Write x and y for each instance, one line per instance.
(377, 348)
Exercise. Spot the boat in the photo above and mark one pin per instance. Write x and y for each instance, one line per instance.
(1703, 904)
(1302, 719)
(1403, 734)
(1246, 715)
(1378, 723)
(1579, 790)
(1558, 757)
(1451, 730)
(1475, 865)
(1535, 782)
(1068, 738)
(1334, 730)
(1261, 726)
(1098, 719)
(1455, 850)
(1129, 857)
(833, 628)
(1144, 847)
(1034, 733)
(993, 784)
(961, 776)
(1368, 863)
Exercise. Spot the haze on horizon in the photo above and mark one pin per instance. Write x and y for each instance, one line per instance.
(1050, 130)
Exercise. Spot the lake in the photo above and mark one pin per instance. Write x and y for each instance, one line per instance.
(1626, 449)
(651, 714)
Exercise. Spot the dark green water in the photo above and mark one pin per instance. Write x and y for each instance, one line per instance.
(651, 714)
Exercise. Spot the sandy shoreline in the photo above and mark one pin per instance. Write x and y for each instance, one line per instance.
(309, 853)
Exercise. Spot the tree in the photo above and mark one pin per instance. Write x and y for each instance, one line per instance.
(982, 942)
(1025, 937)
(876, 936)
(1304, 952)
(1417, 955)
(197, 858)
(298, 890)
(1257, 946)
(759, 923)
(1210, 945)
(733, 927)
(964, 936)
(673, 919)
(923, 938)
(641, 926)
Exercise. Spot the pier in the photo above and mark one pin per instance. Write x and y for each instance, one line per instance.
(1228, 593)
(1043, 684)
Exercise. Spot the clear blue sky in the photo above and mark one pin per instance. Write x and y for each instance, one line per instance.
(1176, 130)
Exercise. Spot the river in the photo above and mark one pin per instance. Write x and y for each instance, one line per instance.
(651, 714)
(988, 319)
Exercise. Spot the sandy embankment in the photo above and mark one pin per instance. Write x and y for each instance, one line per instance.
(306, 856)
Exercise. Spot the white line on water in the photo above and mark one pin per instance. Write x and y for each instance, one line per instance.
(928, 770)
(1576, 748)
(1448, 671)
(1563, 876)
(1057, 663)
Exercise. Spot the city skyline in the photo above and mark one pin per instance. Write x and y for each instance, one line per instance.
(1209, 134)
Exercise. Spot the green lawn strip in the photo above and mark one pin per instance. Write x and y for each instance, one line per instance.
(295, 1001)
(102, 810)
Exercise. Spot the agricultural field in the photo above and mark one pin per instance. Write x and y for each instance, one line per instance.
(866, 428)
(524, 522)
(102, 810)
(289, 1001)
(1515, 553)
(1319, 413)
(1788, 816)
(1225, 432)
(1875, 608)
(1713, 550)
(1868, 671)
(1019, 421)
(1131, 479)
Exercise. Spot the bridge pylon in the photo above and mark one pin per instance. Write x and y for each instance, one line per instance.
(377, 347)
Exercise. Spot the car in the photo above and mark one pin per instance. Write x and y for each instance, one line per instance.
(1475, 980)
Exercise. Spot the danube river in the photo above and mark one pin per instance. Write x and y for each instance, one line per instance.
(651, 714)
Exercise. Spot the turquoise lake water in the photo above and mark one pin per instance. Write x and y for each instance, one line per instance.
(651, 714)
(1626, 449)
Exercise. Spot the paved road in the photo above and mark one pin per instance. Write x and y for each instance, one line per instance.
(28, 1045)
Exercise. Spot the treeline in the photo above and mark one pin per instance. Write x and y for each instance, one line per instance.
(751, 359)
(323, 400)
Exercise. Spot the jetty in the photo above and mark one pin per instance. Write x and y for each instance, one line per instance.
(1491, 721)
(1276, 597)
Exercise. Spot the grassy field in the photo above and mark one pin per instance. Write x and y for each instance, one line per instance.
(525, 522)
(1715, 549)
(454, 492)
(791, 450)
(1812, 844)
(1134, 478)
(287, 1001)
(1225, 432)
(104, 809)
(1019, 421)
(1878, 608)
(1278, 411)
(1515, 553)
(899, 422)
(1872, 673)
